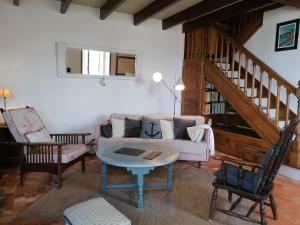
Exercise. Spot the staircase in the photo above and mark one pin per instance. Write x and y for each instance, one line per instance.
(260, 95)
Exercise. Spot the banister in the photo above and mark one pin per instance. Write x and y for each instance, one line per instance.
(298, 96)
(257, 61)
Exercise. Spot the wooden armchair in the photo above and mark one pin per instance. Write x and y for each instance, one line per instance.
(43, 152)
(252, 180)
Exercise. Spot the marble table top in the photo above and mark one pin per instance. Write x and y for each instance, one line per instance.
(107, 155)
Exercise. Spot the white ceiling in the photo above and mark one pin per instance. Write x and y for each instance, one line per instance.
(133, 6)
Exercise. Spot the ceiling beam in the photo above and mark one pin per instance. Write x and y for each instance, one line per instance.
(64, 6)
(228, 12)
(200, 9)
(295, 3)
(109, 7)
(16, 2)
(152, 9)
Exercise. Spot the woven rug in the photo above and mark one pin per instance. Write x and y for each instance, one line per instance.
(188, 204)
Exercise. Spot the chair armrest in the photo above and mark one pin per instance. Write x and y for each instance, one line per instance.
(237, 161)
(258, 151)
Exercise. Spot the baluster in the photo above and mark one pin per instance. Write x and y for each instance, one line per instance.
(269, 96)
(232, 63)
(221, 54)
(227, 58)
(288, 102)
(278, 104)
(239, 71)
(216, 49)
(246, 75)
(253, 81)
(260, 88)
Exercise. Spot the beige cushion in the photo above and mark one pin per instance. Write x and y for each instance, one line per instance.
(196, 133)
(183, 146)
(167, 129)
(22, 121)
(118, 127)
(39, 136)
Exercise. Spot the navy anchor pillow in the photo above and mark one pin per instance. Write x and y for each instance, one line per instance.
(150, 128)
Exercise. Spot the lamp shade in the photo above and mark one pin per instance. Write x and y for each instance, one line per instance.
(5, 92)
(157, 77)
(179, 85)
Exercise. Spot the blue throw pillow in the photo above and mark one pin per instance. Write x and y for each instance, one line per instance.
(150, 128)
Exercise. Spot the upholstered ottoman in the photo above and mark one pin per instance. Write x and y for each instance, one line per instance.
(94, 212)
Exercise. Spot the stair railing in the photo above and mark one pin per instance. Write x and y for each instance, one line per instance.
(260, 82)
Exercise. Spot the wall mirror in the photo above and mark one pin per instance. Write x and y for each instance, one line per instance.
(82, 61)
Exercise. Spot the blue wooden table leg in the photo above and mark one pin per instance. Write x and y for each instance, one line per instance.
(140, 190)
(170, 177)
(103, 176)
(140, 172)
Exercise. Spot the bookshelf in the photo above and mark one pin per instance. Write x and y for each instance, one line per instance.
(215, 102)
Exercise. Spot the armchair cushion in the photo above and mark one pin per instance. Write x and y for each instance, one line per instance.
(38, 136)
(71, 152)
(233, 174)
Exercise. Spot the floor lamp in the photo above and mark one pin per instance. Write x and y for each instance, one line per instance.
(5, 93)
(179, 86)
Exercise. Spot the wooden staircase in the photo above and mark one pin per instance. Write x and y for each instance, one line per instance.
(260, 95)
(269, 94)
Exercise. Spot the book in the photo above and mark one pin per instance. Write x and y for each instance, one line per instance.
(130, 151)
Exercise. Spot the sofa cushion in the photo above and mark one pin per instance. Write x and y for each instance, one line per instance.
(196, 133)
(150, 128)
(118, 127)
(132, 128)
(106, 130)
(183, 146)
(40, 136)
(180, 127)
(167, 129)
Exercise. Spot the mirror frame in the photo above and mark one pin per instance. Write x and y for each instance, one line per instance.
(61, 59)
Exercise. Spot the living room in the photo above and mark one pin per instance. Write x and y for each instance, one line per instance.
(153, 57)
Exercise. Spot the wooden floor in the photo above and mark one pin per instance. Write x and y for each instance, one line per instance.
(17, 198)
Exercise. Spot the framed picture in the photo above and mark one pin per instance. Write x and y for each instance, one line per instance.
(287, 35)
(125, 65)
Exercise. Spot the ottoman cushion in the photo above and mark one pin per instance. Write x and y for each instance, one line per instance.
(94, 212)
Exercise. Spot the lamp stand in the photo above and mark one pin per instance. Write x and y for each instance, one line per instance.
(4, 101)
(175, 97)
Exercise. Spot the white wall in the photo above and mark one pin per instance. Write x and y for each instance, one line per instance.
(262, 44)
(28, 63)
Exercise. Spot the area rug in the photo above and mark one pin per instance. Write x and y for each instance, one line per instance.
(188, 204)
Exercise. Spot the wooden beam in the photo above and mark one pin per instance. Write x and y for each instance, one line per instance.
(109, 7)
(228, 12)
(16, 2)
(152, 9)
(200, 9)
(295, 3)
(64, 6)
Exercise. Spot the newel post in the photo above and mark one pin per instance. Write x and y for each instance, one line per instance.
(295, 149)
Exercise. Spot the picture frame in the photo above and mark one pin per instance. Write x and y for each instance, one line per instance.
(287, 35)
(125, 65)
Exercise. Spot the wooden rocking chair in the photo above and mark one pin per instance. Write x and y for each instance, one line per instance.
(254, 184)
(43, 152)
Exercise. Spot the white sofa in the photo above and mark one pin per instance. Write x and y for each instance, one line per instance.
(188, 150)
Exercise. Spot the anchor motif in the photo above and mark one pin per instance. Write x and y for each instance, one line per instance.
(152, 134)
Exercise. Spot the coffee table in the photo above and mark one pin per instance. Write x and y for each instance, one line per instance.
(137, 165)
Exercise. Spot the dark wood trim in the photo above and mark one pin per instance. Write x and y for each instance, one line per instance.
(295, 3)
(64, 6)
(151, 9)
(195, 11)
(16, 2)
(228, 12)
(109, 7)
